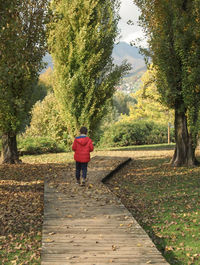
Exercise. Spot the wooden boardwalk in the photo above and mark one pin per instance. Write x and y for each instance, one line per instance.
(89, 225)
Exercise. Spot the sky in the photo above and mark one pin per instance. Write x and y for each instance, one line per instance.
(129, 11)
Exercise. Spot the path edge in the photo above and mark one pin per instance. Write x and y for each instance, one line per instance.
(115, 170)
(109, 176)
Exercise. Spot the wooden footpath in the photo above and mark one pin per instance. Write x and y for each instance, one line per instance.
(90, 226)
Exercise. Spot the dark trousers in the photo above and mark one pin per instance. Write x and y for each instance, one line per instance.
(81, 166)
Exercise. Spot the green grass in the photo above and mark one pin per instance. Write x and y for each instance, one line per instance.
(21, 249)
(165, 201)
(141, 147)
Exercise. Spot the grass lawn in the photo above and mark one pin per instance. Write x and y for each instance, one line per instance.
(163, 199)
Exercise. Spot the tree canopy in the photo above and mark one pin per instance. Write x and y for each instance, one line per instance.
(81, 39)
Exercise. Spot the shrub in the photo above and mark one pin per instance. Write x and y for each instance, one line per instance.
(134, 133)
(39, 145)
(46, 120)
(159, 134)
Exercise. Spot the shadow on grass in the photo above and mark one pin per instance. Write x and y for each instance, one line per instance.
(161, 243)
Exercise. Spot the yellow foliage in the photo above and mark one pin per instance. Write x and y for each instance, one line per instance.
(148, 105)
(47, 77)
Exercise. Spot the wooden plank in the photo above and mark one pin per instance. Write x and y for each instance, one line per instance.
(89, 225)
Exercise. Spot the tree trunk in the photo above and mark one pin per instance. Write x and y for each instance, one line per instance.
(9, 153)
(184, 154)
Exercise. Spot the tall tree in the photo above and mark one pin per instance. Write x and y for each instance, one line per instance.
(148, 104)
(81, 39)
(173, 32)
(22, 47)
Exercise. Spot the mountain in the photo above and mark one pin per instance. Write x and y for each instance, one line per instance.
(48, 60)
(122, 51)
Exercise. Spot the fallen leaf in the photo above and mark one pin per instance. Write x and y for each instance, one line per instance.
(48, 240)
(52, 233)
(114, 248)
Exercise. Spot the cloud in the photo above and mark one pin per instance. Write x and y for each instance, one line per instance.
(137, 38)
(129, 10)
(129, 33)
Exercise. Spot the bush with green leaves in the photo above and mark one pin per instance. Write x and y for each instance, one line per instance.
(46, 121)
(159, 134)
(39, 145)
(135, 133)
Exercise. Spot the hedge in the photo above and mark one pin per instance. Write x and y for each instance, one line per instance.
(135, 133)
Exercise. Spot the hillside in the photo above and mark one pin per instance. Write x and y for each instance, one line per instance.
(122, 51)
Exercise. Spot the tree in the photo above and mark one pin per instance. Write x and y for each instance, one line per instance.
(173, 30)
(81, 39)
(22, 46)
(46, 79)
(122, 102)
(148, 105)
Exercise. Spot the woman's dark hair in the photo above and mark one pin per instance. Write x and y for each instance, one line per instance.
(83, 130)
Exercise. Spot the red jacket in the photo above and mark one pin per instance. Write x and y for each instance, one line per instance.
(82, 146)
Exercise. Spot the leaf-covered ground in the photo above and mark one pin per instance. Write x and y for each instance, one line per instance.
(21, 211)
(164, 200)
(166, 203)
(21, 191)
